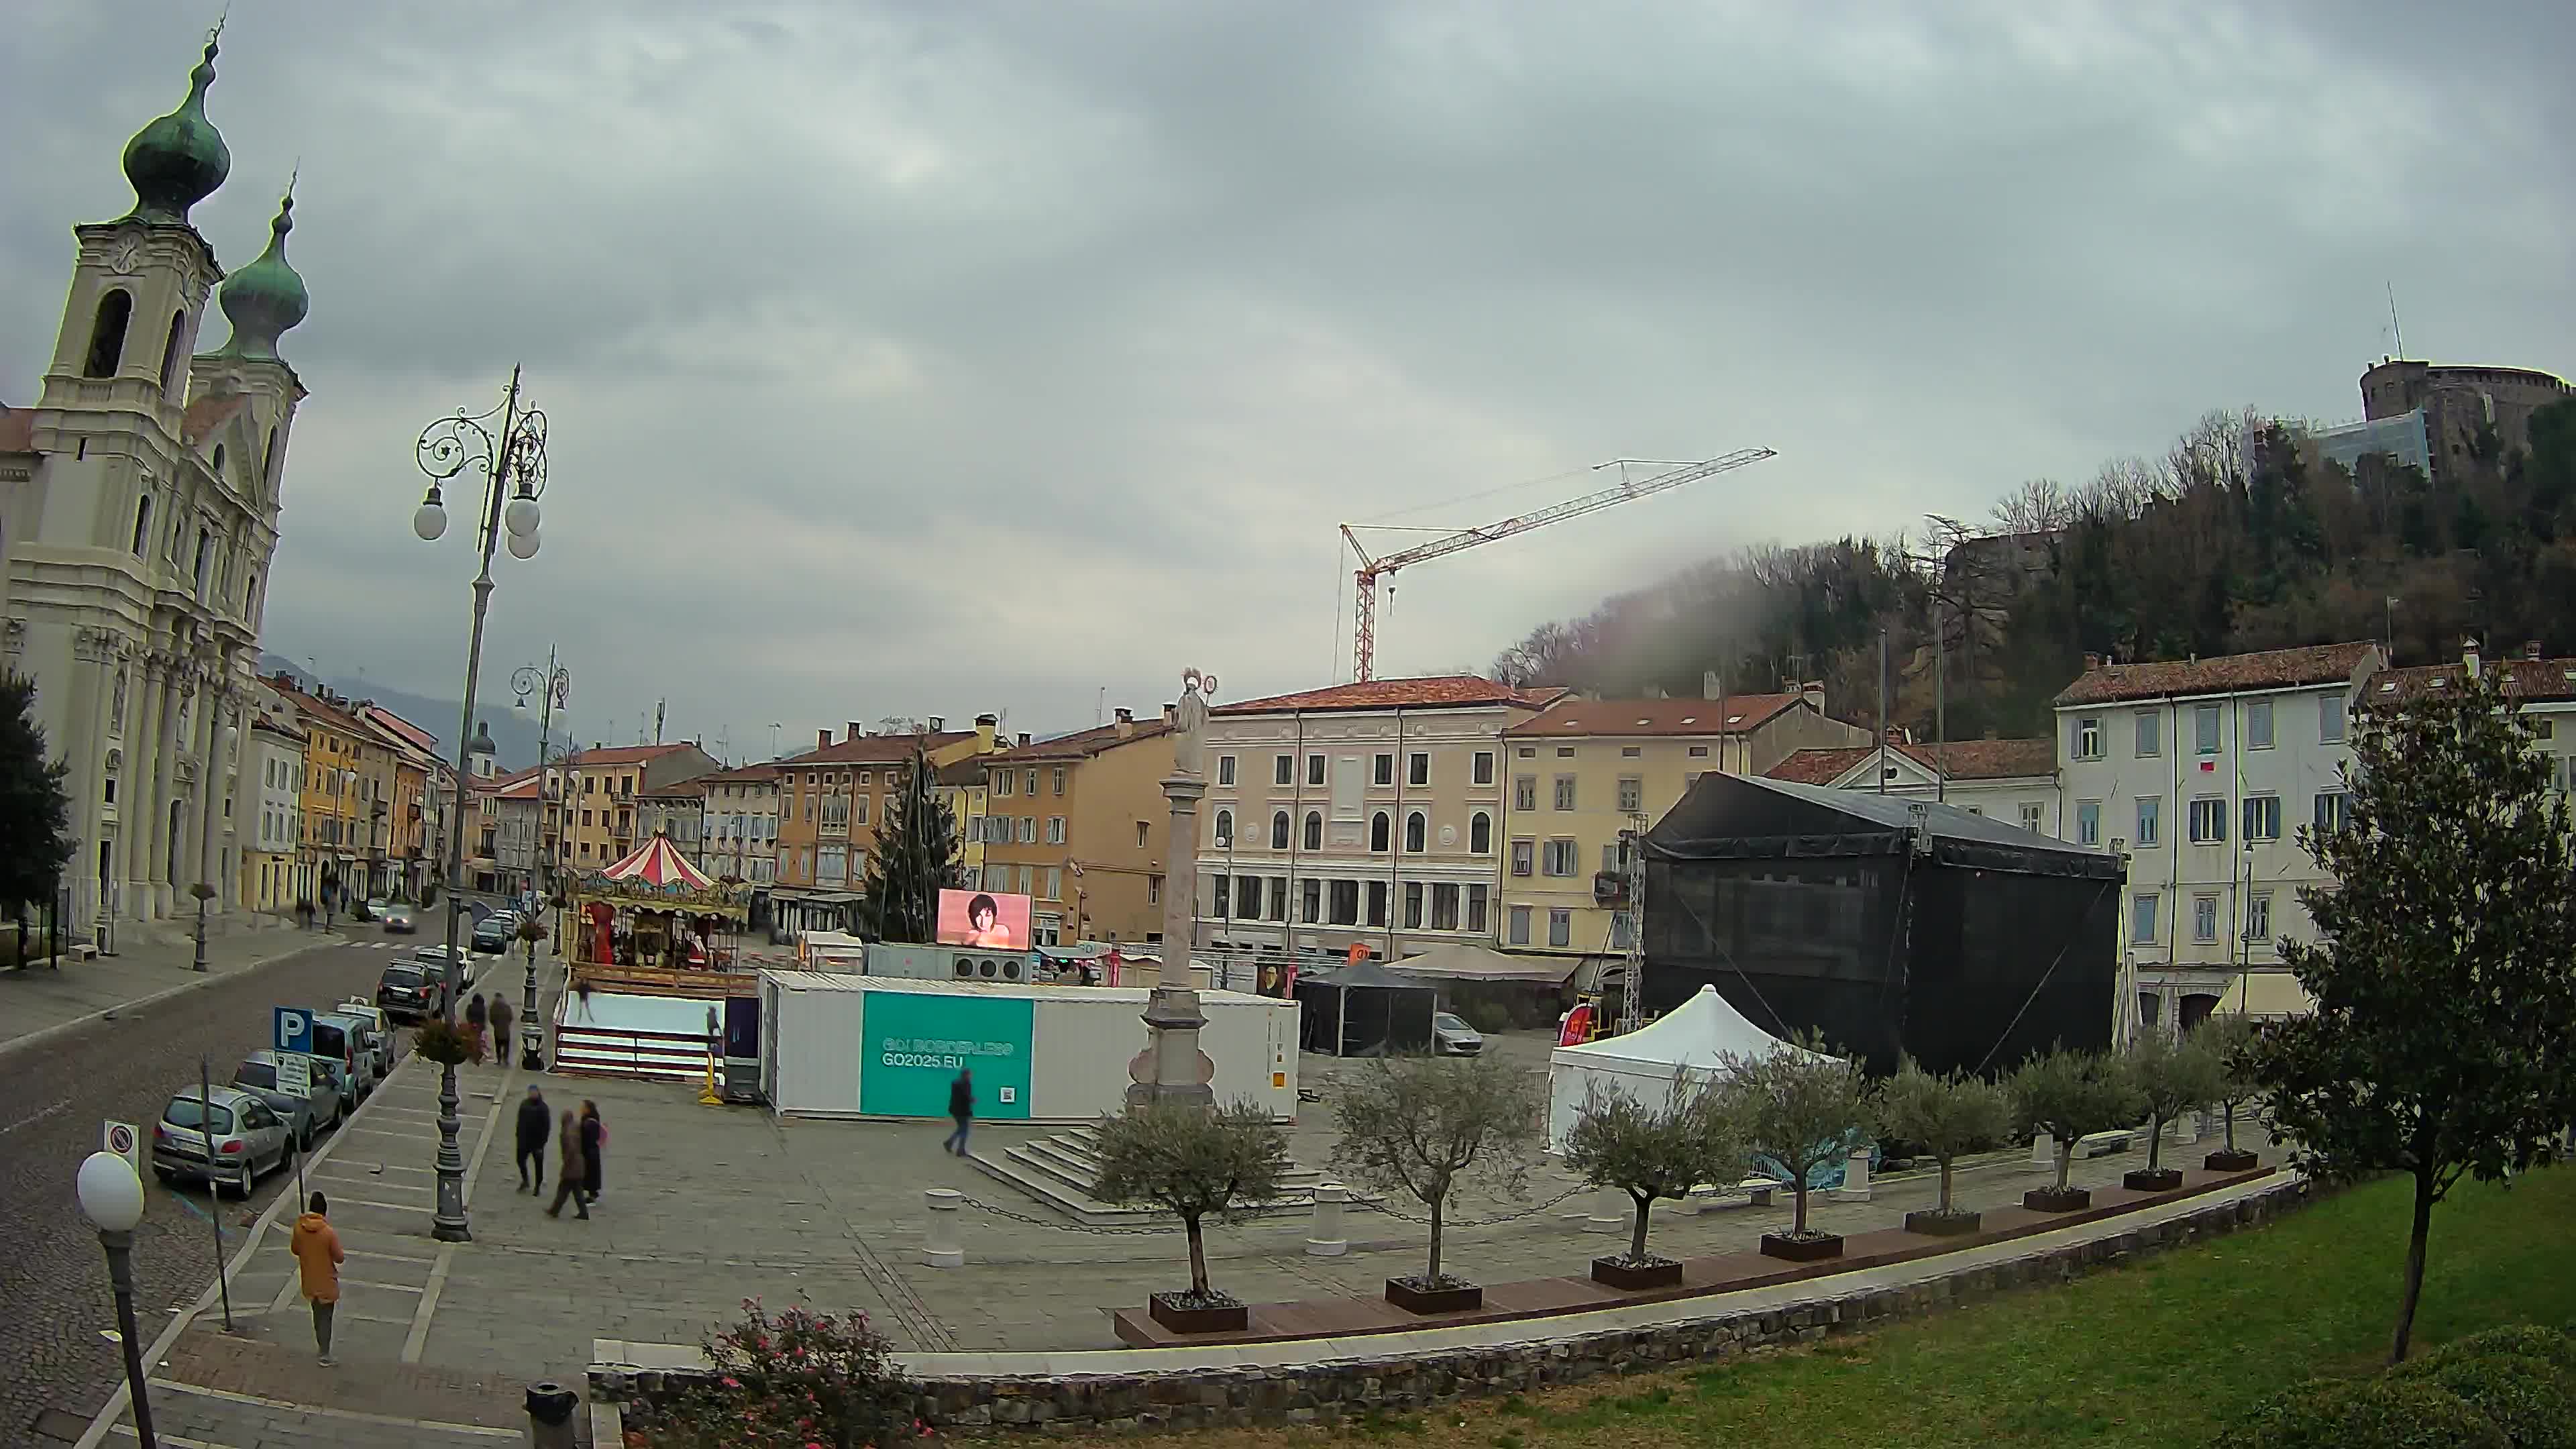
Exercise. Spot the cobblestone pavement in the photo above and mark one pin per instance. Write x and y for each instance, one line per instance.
(42, 998)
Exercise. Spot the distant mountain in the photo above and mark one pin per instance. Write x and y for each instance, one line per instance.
(514, 733)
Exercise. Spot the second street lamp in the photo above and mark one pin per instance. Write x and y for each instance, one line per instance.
(555, 683)
(513, 461)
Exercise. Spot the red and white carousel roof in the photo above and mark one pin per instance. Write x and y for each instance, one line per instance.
(655, 863)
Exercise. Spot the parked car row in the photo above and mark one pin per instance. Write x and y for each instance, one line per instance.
(228, 1136)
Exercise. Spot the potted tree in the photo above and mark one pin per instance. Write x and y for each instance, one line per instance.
(2231, 1040)
(2171, 1078)
(1949, 1117)
(2067, 1096)
(1422, 1126)
(1649, 1153)
(1799, 1107)
(1192, 1163)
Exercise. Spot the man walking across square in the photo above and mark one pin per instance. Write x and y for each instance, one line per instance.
(961, 1108)
(316, 1246)
(535, 1120)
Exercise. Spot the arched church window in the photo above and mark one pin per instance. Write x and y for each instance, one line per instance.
(219, 460)
(170, 352)
(142, 523)
(107, 334)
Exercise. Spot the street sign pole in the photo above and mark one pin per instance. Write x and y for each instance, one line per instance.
(214, 1195)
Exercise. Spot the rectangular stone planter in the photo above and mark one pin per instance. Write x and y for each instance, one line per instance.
(2051, 1200)
(1943, 1225)
(2239, 1160)
(2151, 1179)
(1618, 1273)
(1463, 1298)
(1801, 1250)
(1181, 1318)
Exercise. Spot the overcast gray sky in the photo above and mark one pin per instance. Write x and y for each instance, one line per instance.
(930, 358)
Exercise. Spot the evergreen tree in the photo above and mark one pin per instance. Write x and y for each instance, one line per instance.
(35, 814)
(2443, 1043)
(914, 860)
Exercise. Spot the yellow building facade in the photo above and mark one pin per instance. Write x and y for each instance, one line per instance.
(1079, 825)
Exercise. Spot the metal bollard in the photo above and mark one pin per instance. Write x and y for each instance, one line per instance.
(1855, 1186)
(2185, 1128)
(1326, 1237)
(2043, 1151)
(941, 1244)
(1608, 1213)
(550, 1407)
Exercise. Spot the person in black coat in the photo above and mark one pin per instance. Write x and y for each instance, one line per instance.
(535, 1121)
(594, 1146)
(961, 1106)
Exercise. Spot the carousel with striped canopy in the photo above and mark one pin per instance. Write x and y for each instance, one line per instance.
(654, 909)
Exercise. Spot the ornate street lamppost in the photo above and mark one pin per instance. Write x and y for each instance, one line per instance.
(554, 684)
(111, 1197)
(513, 463)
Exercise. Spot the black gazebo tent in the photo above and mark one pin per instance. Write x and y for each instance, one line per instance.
(1890, 925)
(1363, 1011)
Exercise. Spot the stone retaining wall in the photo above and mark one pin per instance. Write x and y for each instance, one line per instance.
(1294, 1393)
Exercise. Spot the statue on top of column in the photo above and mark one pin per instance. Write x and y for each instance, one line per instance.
(1189, 721)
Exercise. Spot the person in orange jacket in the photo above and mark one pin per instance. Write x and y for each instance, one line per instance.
(316, 1246)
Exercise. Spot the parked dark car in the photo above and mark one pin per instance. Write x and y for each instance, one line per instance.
(308, 1113)
(411, 990)
(492, 936)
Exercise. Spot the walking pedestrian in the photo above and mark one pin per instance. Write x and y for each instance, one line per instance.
(475, 1020)
(961, 1105)
(594, 1148)
(316, 1246)
(501, 1015)
(569, 1169)
(535, 1119)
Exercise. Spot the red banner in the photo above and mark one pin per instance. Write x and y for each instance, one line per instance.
(1578, 1026)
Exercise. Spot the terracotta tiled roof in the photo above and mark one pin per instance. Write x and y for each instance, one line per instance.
(17, 430)
(876, 749)
(623, 754)
(2534, 679)
(273, 727)
(209, 413)
(522, 788)
(1080, 745)
(329, 714)
(1736, 714)
(1965, 760)
(1450, 691)
(764, 773)
(2226, 674)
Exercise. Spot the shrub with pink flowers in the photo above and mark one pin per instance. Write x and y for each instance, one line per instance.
(798, 1378)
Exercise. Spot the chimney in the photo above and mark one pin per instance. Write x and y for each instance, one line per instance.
(1992, 733)
(1171, 714)
(2092, 661)
(1709, 688)
(823, 739)
(986, 727)
(1024, 739)
(939, 724)
(1813, 692)
(855, 731)
(2469, 655)
(2530, 648)
(1126, 723)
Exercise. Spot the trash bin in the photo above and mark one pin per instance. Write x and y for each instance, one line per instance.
(550, 1408)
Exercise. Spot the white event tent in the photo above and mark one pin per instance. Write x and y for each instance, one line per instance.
(1697, 1037)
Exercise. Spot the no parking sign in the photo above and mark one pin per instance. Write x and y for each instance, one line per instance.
(122, 1139)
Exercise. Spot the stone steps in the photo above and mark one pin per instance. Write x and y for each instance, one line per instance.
(1060, 1171)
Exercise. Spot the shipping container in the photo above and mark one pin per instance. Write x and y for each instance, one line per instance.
(867, 1046)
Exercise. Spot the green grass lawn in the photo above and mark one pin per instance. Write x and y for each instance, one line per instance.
(2161, 1353)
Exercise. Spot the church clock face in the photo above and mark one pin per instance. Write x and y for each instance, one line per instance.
(127, 258)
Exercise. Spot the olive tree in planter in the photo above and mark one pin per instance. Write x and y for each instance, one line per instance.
(1650, 1153)
(2230, 1041)
(1949, 1116)
(1192, 1163)
(1422, 1126)
(2171, 1078)
(2068, 1096)
(1799, 1107)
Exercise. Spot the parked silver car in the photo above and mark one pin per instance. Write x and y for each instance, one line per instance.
(249, 1138)
(350, 1041)
(378, 1022)
(321, 1107)
(1451, 1036)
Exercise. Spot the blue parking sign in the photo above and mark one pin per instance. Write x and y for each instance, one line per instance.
(293, 1029)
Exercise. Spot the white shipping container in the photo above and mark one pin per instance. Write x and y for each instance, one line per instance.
(865, 1046)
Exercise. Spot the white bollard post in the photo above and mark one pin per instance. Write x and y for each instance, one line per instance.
(2043, 1151)
(941, 1245)
(1855, 1186)
(1325, 1236)
(1610, 1212)
(2185, 1128)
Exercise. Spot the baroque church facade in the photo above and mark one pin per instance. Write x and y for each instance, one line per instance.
(139, 504)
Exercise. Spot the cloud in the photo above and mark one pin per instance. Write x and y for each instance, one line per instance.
(929, 359)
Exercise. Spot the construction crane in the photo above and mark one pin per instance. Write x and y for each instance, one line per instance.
(1364, 643)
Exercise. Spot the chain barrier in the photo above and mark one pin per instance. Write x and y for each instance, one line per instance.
(1448, 1223)
(1105, 1232)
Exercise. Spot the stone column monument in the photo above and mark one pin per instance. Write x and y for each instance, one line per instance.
(1172, 1070)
